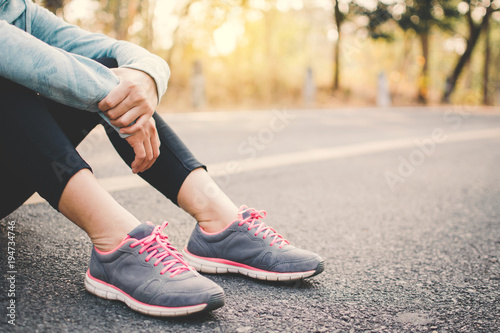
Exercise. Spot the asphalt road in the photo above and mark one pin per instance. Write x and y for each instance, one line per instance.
(403, 205)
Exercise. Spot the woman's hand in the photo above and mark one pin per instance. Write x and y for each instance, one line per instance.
(146, 145)
(133, 99)
(130, 106)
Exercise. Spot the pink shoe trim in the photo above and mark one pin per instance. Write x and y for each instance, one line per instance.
(236, 264)
(133, 299)
(126, 239)
(153, 245)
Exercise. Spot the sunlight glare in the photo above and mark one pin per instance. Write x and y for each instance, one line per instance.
(226, 37)
(80, 10)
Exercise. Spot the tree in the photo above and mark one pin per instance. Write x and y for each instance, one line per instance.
(53, 5)
(124, 13)
(420, 16)
(486, 64)
(475, 29)
(339, 19)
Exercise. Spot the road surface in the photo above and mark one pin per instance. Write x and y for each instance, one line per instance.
(402, 203)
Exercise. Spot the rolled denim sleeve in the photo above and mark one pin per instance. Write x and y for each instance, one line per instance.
(54, 73)
(69, 79)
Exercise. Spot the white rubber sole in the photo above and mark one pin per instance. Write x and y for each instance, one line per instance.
(213, 267)
(104, 290)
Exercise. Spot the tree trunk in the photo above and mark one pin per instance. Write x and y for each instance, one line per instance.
(475, 31)
(146, 8)
(336, 69)
(423, 86)
(124, 13)
(118, 19)
(486, 65)
(336, 73)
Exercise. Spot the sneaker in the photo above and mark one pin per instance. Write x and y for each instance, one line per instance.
(249, 247)
(149, 275)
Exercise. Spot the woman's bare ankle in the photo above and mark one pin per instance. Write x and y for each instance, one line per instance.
(106, 244)
(108, 239)
(200, 196)
(85, 202)
(216, 220)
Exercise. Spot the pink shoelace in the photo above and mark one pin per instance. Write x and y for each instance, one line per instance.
(254, 222)
(154, 244)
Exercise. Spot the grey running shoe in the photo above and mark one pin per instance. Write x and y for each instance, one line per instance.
(249, 247)
(148, 274)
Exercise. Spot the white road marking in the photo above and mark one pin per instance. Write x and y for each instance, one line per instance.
(126, 182)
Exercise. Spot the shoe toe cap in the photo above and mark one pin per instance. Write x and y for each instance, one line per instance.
(192, 291)
(297, 260)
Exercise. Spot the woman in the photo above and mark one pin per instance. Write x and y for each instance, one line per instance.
(57, 82)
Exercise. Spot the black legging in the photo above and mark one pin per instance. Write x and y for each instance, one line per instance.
(37, 148)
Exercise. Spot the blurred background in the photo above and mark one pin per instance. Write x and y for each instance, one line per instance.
(253, 54)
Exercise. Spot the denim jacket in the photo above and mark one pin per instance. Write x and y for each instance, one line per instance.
(44, 53)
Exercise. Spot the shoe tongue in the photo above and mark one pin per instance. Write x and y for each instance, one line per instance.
(245, 214)
(141, 231)
(248, 213)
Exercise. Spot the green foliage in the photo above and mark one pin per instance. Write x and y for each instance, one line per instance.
(419, 16)
(52, 5)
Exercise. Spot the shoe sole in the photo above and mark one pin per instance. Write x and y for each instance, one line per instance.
(222, 266)
(107, 291)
